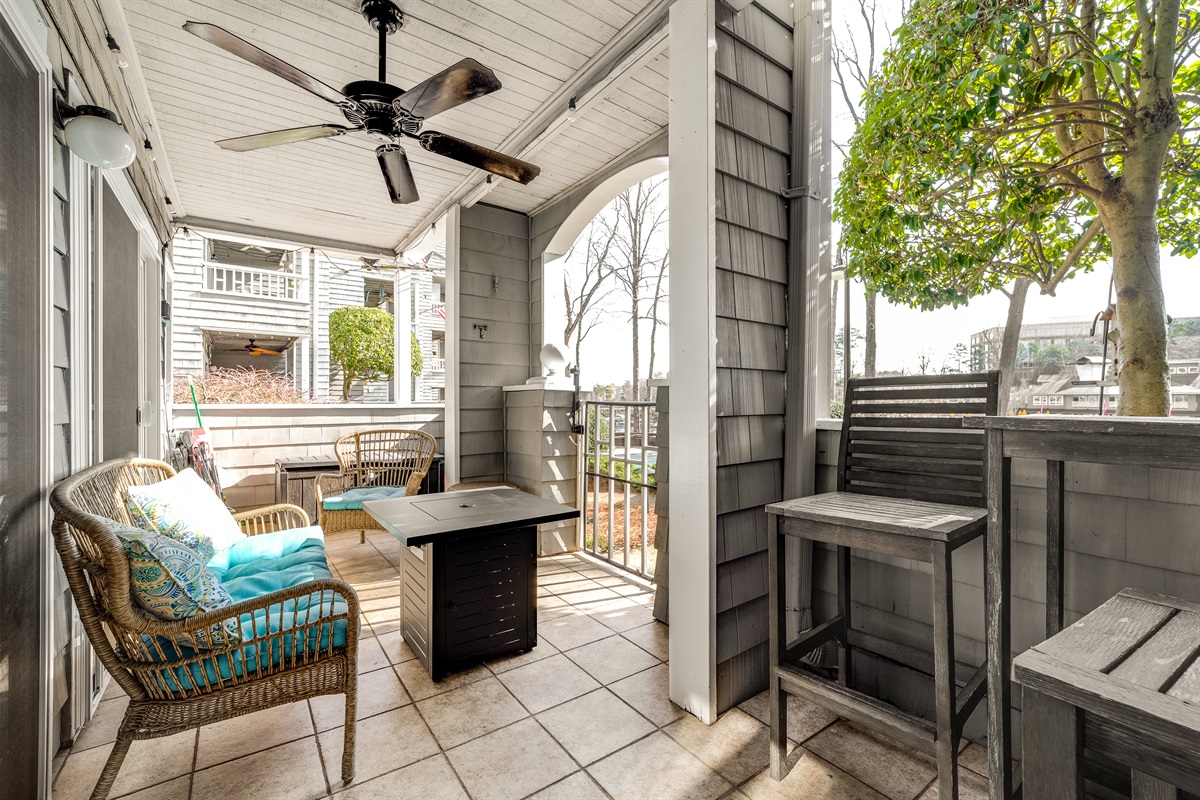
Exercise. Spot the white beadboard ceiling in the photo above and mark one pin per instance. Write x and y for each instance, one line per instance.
(332, 189)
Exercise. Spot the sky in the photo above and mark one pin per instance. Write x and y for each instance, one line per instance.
(904, 334)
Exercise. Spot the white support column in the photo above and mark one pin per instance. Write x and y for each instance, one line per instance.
(693, 418)
(402, 303)
(452, 220)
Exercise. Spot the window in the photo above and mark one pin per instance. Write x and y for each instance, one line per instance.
(1194, 368)
(1179, 401)
(1054, 400)
(1087, 401)
(237, 254)
(1038, 399)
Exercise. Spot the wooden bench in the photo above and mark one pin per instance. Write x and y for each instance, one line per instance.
(1124, 681)
(910, 484)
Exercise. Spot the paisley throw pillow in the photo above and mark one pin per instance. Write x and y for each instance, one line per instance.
(170, 580)
(186, 509)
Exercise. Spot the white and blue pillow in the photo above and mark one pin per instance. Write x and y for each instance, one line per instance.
(186, 509)
(170, 581)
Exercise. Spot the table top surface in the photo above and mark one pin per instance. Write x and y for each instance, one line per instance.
(1078, 423)
(425, 518)
(1137, 650)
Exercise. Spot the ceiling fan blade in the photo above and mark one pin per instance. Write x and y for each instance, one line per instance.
(476, 155)
(453, 86)
(214, 34)
(397, 174)
(257, 141)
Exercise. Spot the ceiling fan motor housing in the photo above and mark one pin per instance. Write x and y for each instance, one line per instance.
(383, 14)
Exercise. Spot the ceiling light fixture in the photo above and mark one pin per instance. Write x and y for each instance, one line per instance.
(94, 134)
(149, 148)
(572, 111)
(116, 50)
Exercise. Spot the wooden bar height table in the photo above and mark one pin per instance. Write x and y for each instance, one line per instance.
(468, 580)
(1125, 441)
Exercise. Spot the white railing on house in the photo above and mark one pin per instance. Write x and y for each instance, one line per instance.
(437, 365)
(253, 282)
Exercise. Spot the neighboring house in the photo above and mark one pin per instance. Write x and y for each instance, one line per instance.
(239, 304)
(1080, 390)
(427, 305)
(985, 344)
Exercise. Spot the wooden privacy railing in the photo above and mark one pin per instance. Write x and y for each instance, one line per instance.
(253, 282)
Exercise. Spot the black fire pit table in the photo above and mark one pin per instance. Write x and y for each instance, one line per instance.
(469, 574)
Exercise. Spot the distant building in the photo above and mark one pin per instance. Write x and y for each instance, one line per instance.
(267, 306)
(1080, 390)
(985, 345)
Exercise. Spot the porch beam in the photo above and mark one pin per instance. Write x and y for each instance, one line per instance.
(693, 417)
(649, 22)
(217, 227)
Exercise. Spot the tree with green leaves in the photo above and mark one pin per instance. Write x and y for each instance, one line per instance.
(1024, 141)
(361, 343)
(416, 359)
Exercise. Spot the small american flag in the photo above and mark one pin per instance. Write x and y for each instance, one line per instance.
(441, 311)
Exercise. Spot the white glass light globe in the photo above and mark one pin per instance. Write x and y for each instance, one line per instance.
(553, 358)
(99, 140)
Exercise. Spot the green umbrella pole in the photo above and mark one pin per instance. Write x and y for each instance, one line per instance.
(195, 403)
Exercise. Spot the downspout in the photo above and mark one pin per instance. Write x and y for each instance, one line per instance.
(809, 235)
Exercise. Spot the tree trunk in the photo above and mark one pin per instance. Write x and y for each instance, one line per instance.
(1141, 324)
(636, 344)
(1012, 338)
(869, 355)
(347, 379)
(833, 370)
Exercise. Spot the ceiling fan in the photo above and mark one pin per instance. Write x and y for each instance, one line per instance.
(385, 112)
(255, 350)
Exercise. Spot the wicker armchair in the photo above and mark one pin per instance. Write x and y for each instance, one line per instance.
(173, 688)
(376, 458)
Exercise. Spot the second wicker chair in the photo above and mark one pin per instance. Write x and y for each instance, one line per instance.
(374, 464)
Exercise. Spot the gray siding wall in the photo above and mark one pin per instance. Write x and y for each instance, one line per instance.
(1126, 527)
(662, 506)
(542, 457)
(248, 440)
(493, 291)
(754, 54)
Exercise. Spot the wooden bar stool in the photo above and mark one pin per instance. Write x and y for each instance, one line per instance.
(910, 484)
(1125, 682)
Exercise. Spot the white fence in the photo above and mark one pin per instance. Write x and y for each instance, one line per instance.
(253, 282)
(249, 439)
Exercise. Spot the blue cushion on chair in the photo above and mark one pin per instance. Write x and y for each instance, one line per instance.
(352, 499)
(255, 567)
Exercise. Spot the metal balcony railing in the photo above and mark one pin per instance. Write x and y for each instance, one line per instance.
(619, 488)
(253, 282)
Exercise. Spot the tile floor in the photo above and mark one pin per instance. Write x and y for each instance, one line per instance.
(584, 715)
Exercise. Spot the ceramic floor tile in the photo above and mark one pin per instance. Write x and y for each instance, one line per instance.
(611, 659)
(808, 777)
(877, 761)
(395, 648)
(251, 733)
(597, 595)
(805, 719)
(511, 763)
(572, 589)
(149, 762)
(652, 638)
(113, 690)
(573, 787)
(420, 685)
(736, 745)
(102, 727)
(656, 768)
(463, 714)
(975, 758)
(382, 744)
(568, 630)
(647, 691)
(620, 615)
(378, 691)
(548, 682)
(971, 786)
(289, 772)
(594, 725)
(431, 779)
(384, 620)
(543, 650)
(171, 790)
(371, 655)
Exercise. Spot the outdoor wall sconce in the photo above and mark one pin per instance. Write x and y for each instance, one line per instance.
(94, 134)
(482, 329)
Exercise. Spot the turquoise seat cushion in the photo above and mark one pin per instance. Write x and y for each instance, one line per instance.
(352, 499)
(255, 567)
